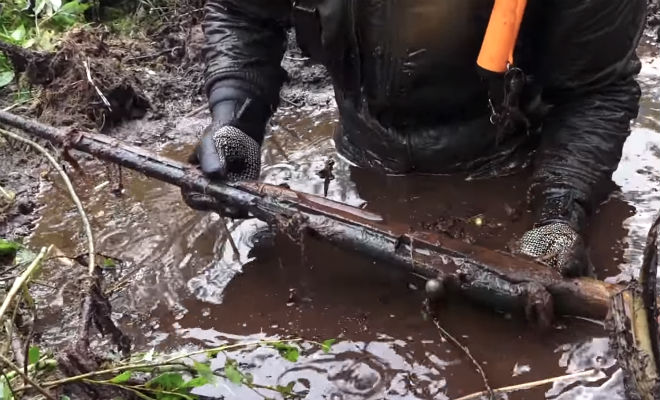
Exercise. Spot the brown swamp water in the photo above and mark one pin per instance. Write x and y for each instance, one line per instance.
(182, 288)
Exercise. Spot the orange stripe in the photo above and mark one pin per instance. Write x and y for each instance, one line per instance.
(501, 35)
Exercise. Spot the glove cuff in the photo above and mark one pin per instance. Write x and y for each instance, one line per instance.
(561, 208)
(234, 106)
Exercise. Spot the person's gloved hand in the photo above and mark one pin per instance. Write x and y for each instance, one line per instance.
(227, 153)
(230, 148)
(558, 245)
(224, 153)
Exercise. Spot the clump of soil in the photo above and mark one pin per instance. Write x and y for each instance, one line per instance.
(99, 81)
(462, 228)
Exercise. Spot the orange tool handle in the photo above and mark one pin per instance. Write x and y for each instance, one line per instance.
(501, 35)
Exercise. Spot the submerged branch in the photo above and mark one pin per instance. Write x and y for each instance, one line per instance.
(489, 391)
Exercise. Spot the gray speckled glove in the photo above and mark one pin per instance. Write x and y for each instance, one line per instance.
(226, 154)
(557, 245)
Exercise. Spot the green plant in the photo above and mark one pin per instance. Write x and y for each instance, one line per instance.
(153, 376)
(38, 27)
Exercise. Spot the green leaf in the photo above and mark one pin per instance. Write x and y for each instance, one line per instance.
(287, 351)
(195, 382)
(18, 34)
(286, 390)
(326, 346)
(212, 353)
(29, 43)
(69, 14)
(123, 377)
(248, 379)
(6, 77)
(232, 373)
(33, 354)
(65, 397)
(5, 391)
(9, 248)
(168, 381)
(204, 370)
(109, 263)
(46, 40)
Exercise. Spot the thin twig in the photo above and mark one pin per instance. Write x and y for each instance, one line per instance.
(18, 283)
(170, 361)
(29, 380)
(153, 55)
(18, 103)
(196, 111)
(293, 103)
(465, 350)
(7, 194)
(72, 192)
(530, 385)
(296, 58)
(91, 82)
(230, 239)
(26, 346)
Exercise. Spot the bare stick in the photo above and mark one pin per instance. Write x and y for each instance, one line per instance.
(27, 379)
(464, 349)
(72, 192)
(169, 361)
(18, 283)
(531, 385)
(91, 82)
(196, 111)
(223, 224)
(296, 58)
(7, 194)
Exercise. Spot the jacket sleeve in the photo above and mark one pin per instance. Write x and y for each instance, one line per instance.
(245, 41)
(587, 69)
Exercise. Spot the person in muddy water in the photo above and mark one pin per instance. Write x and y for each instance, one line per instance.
(443, 86)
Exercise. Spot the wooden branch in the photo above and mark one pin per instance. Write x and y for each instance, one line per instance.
(496, 279)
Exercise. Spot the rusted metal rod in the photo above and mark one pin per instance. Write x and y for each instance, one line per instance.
(497, 279)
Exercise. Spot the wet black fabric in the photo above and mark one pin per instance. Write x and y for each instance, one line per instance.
(411, 99)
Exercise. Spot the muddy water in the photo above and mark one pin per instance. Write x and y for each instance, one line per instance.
(182, 286)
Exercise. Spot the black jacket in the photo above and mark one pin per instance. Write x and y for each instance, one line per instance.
(411, 99)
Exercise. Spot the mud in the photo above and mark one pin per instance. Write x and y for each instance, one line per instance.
(179, 284)
(19, 218)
